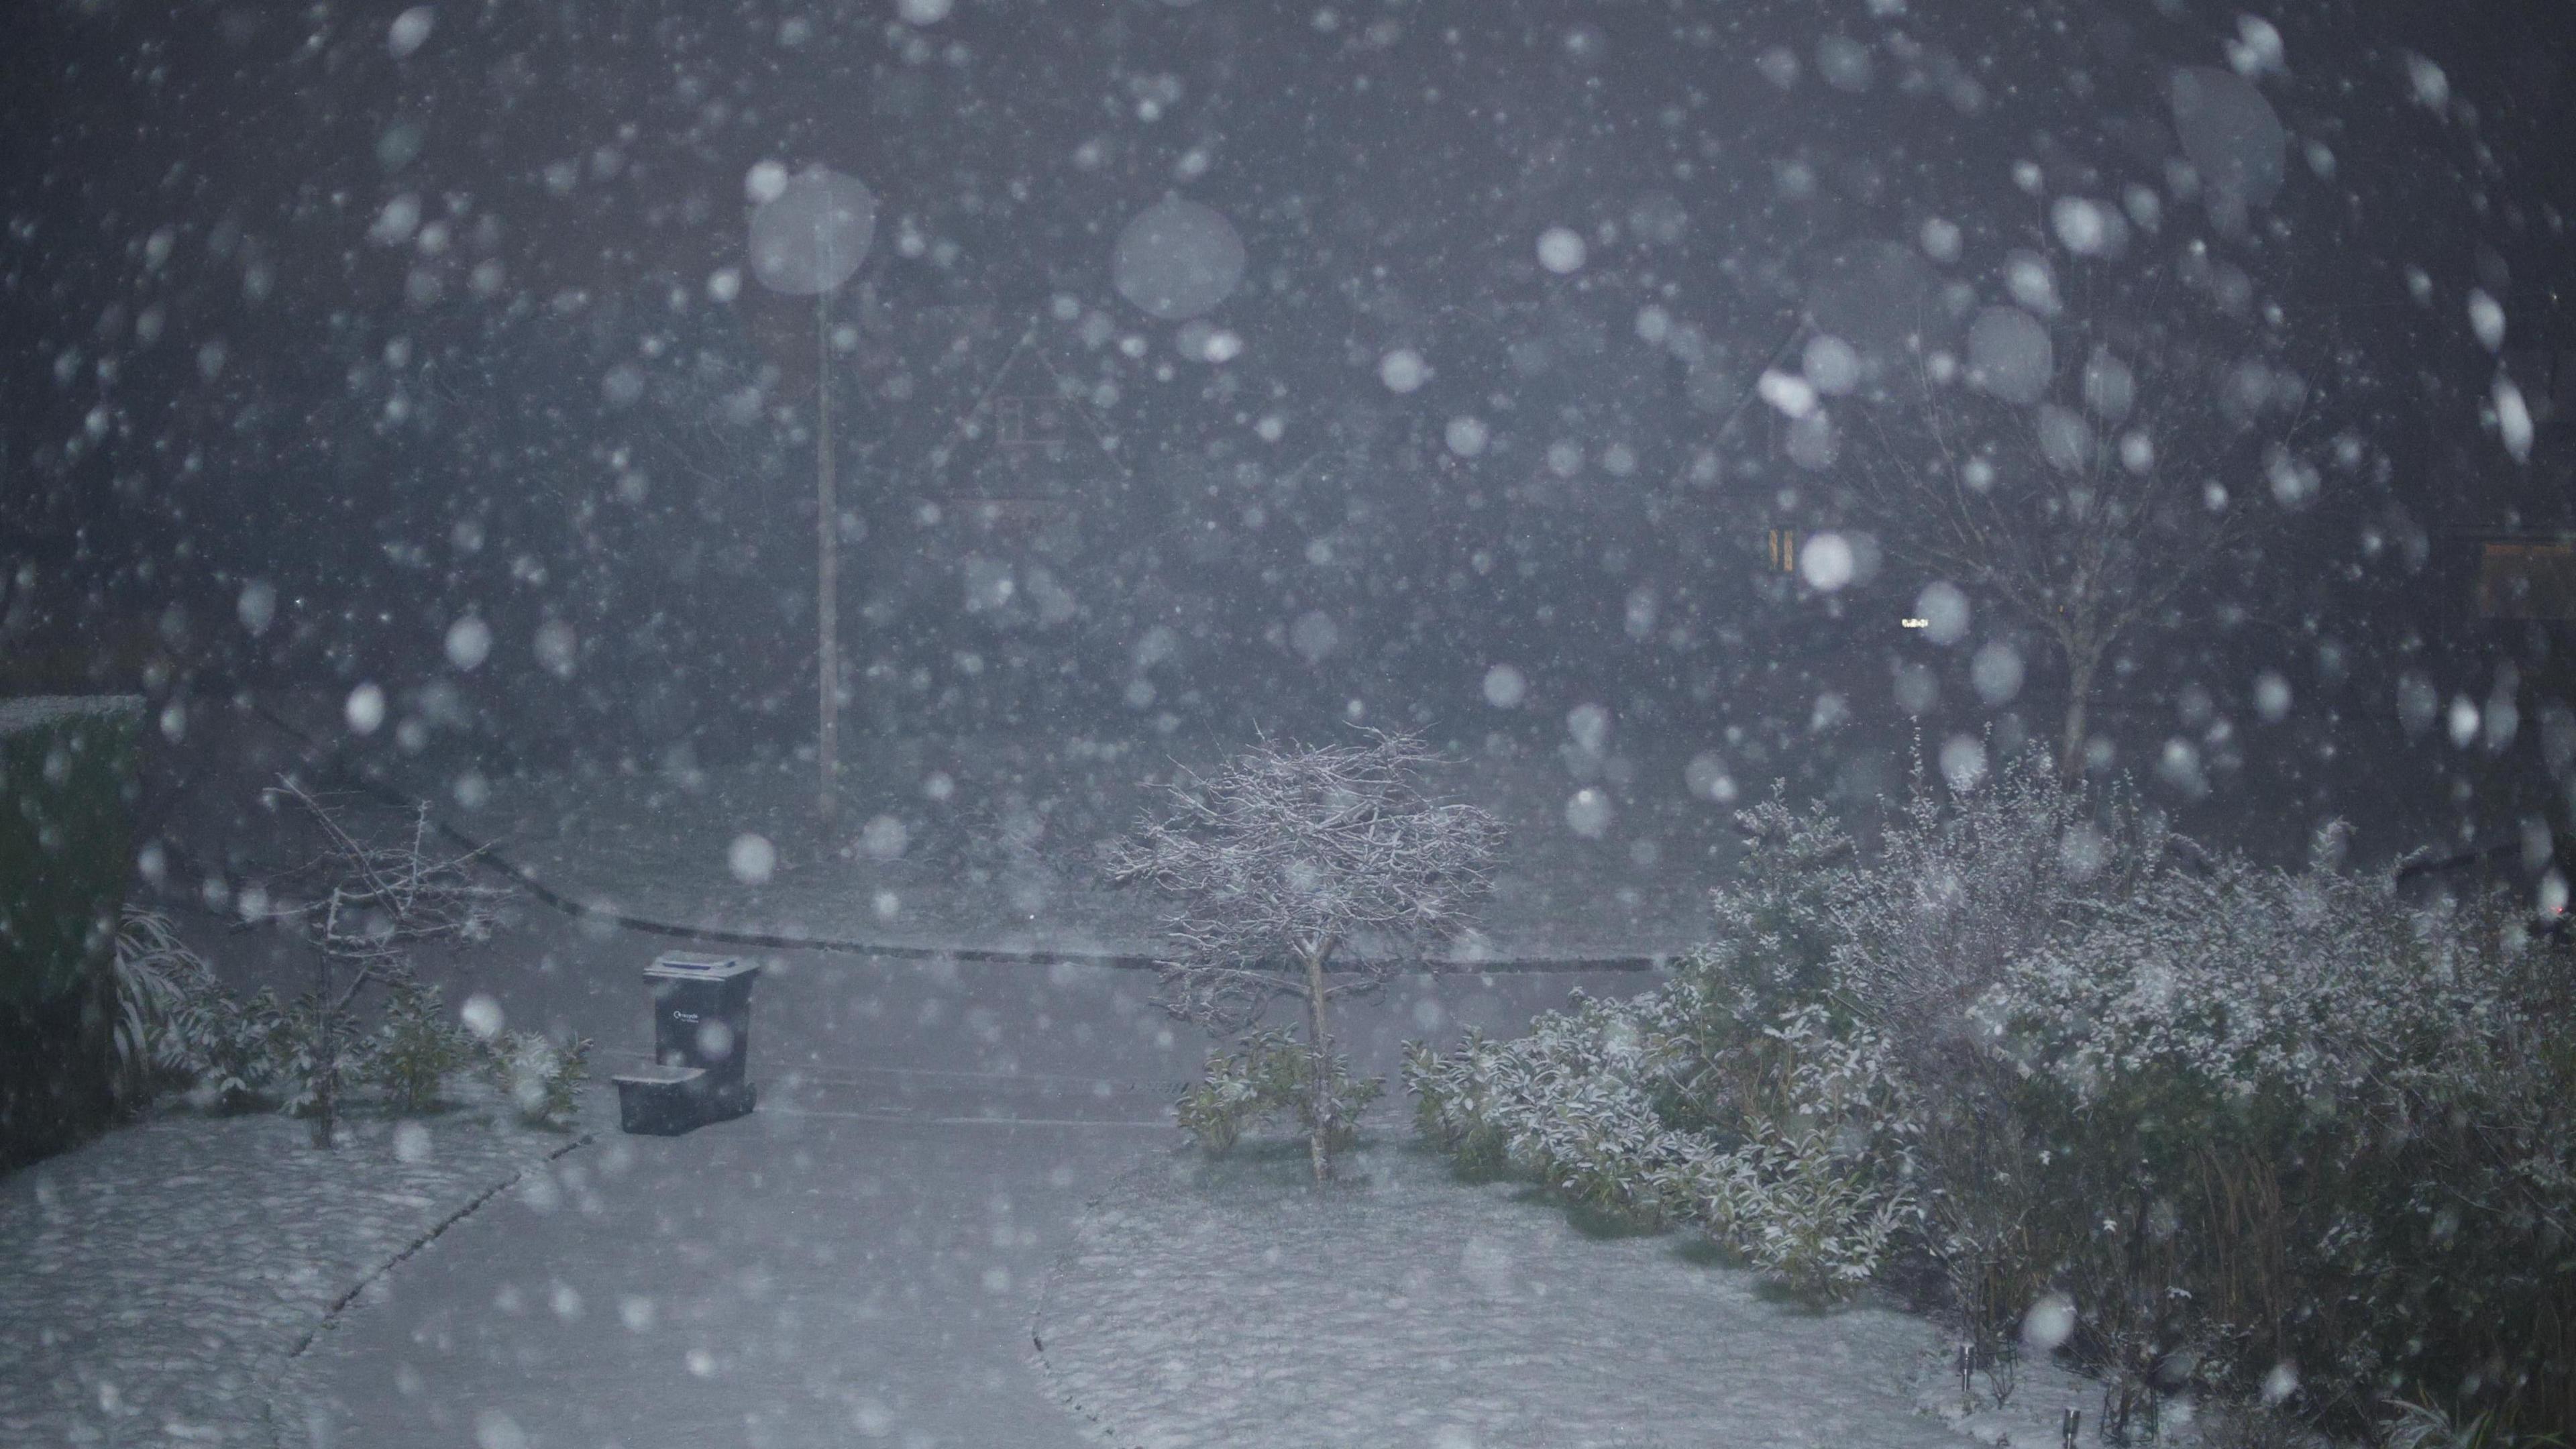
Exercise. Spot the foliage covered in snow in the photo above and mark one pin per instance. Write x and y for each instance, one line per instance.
(1784, 1139)
(1264, 1078)
(178, 1029)
(2211, 1128)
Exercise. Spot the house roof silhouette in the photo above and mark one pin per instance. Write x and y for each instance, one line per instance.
(1027, 435)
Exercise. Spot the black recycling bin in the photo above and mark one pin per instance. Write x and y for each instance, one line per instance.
(701, 1047)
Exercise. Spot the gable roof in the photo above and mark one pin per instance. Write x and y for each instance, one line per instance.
(1028, 433)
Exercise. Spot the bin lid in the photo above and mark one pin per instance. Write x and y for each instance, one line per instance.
(661, 1075)
(679, 966)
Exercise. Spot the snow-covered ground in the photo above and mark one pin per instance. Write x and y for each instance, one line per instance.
(1224, 1301)
(160, 1281)
(1227, 1303)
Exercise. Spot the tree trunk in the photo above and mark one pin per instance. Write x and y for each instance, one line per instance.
(326, 1047)
(827, 587)
(1319, 1064)
(2079, 694)
(326, 1056)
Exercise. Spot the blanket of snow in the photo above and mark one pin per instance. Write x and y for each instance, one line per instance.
(1226, 1303)
(160, 1280)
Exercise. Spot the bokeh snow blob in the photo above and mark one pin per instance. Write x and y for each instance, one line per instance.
(1177, 259)
(2009, 355)
(2231, 134)
(1561, 250)
(751, 858)
(469, 643)
(811, 236)
(410, 31)
(1874, 294)
(1827, 562)
(1588, 813)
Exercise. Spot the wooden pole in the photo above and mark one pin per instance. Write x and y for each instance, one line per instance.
(827, 592)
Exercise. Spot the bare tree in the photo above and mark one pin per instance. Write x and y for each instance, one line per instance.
(374, 903)
(1288, 857)
(2094, 474)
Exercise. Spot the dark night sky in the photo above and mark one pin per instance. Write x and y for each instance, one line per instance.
(196, 385)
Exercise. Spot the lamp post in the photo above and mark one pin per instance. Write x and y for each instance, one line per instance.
(806, 240)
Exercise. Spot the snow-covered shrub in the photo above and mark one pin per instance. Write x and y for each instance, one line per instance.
(1784, 1143)
(1780, 924)
(169, 1009)
(1571, 1103)
(2415, 1424)
(2247, 982)
(242, 1053)
(2339, 1126)
(362, 905)
(418, 1043)
(1963, 884)
(1737, 1096)
(316, 1050)
(541, 1077)
(1819, 1189)
(2272, 1132)
(1261, 1080)
(1967, 881)
(177, 1029)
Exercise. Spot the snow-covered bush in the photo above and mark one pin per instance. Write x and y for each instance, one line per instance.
(316, 1050)
(178, 1029)
(1819, 1190)
(1965, 883)
(1785, 1143)
(2279, 1135)
(362, 905)
(418, 1044)
(167, 1006)
(1966, 880)
(2341, 1119)
(541, 1077)
(1262, 1080)
(1572, 1102)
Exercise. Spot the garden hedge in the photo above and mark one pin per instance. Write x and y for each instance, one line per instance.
(67, 795)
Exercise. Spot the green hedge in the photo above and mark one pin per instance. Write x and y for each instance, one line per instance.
(67, 788)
